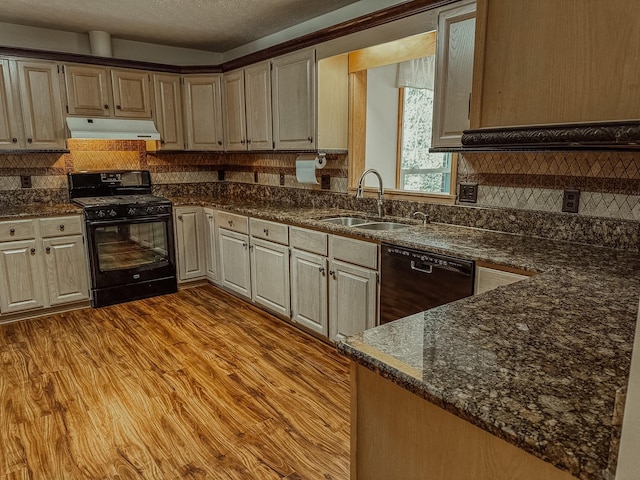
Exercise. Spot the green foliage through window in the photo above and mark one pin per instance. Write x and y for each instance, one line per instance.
(420, 170)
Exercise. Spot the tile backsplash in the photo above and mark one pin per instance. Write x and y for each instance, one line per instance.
(609, 182)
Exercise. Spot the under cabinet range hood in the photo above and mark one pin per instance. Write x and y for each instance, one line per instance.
(112, 129)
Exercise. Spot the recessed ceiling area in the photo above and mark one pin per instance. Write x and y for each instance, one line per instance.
(211, 25)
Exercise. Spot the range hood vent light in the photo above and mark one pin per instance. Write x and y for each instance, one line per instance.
(112, 129)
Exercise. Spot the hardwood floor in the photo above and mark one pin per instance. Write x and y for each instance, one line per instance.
(194, 385)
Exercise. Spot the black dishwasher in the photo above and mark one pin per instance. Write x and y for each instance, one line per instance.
(413, 280)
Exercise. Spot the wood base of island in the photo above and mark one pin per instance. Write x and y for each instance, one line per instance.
(398, 435)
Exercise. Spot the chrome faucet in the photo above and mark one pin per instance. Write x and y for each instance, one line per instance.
(380, 190)
(424, 216)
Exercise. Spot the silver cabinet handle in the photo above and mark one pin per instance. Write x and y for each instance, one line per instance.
(429, 268)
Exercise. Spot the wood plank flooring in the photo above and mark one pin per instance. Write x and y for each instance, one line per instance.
(192, 385)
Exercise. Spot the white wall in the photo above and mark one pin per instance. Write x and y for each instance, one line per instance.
(21, 36)
(629, 460)
(382, 124)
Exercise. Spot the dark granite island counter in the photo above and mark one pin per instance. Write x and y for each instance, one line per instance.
(523, 382)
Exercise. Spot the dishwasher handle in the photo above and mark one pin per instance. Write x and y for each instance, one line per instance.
(429, 268)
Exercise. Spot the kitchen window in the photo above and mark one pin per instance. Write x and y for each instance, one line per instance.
(418, 170)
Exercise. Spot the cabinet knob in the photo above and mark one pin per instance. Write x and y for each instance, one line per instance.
(332, 273)
(30, 140)
(210, 217)
(244, 244)
(321, 270)
(118, 107)
(179, 217)
(266, 231)
(12, 231)
(33, 251)
(310, 139)
(219, 142)
(106, 107)
(62, 227)
(14, 140)
(48, 249)
(230, 223)
(242, 141)
(161, 142)
(248, 141)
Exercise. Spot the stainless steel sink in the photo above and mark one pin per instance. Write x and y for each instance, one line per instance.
(346, 221)
(381, 226)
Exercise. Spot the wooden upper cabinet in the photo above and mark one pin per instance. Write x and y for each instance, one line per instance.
(294, 101)
(131, 93)
(9, 132)
(88, 91)
(168, 109)
(555, 62)
(235, 128)
(203, 112)
(257, 88)
(40, 97)
(454, 74)
(247, 108)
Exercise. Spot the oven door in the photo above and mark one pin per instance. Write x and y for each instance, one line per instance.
(131, 250)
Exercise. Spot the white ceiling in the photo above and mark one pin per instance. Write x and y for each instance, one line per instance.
(212, 25)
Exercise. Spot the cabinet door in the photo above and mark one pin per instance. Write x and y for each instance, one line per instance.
(20, 277)
(235, 270)
(190, 243)
(9, 133)
(66, 266)
(203, 112)
(270, 276)
(309, 291)
(168, 101)
(211, 244)
(235, 128)
(131, 93)
(454, 74)
(257, 87)
(40, 96)
(294, 101)
(87, 91)
(352, 299)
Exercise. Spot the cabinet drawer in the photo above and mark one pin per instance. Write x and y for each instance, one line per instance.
(275, 232)
(232, 221)
(17, 230)
(308, 240)
(354, 251)
(59, 226)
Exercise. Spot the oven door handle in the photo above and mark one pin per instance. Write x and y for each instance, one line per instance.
(120, 221)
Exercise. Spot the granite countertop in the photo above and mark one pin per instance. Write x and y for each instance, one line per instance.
(11, 212)
(542, 363)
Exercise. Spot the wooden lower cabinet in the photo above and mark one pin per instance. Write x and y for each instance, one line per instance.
(352, 299)
(66, 266)
(235, 270)
(190, 243)
(270, 276)
(397, 434)
(309, 291)
(21, 276)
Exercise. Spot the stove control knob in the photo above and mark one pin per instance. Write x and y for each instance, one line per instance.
(131, 211)
(113, 213)
(101, 213)
(150, 209)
